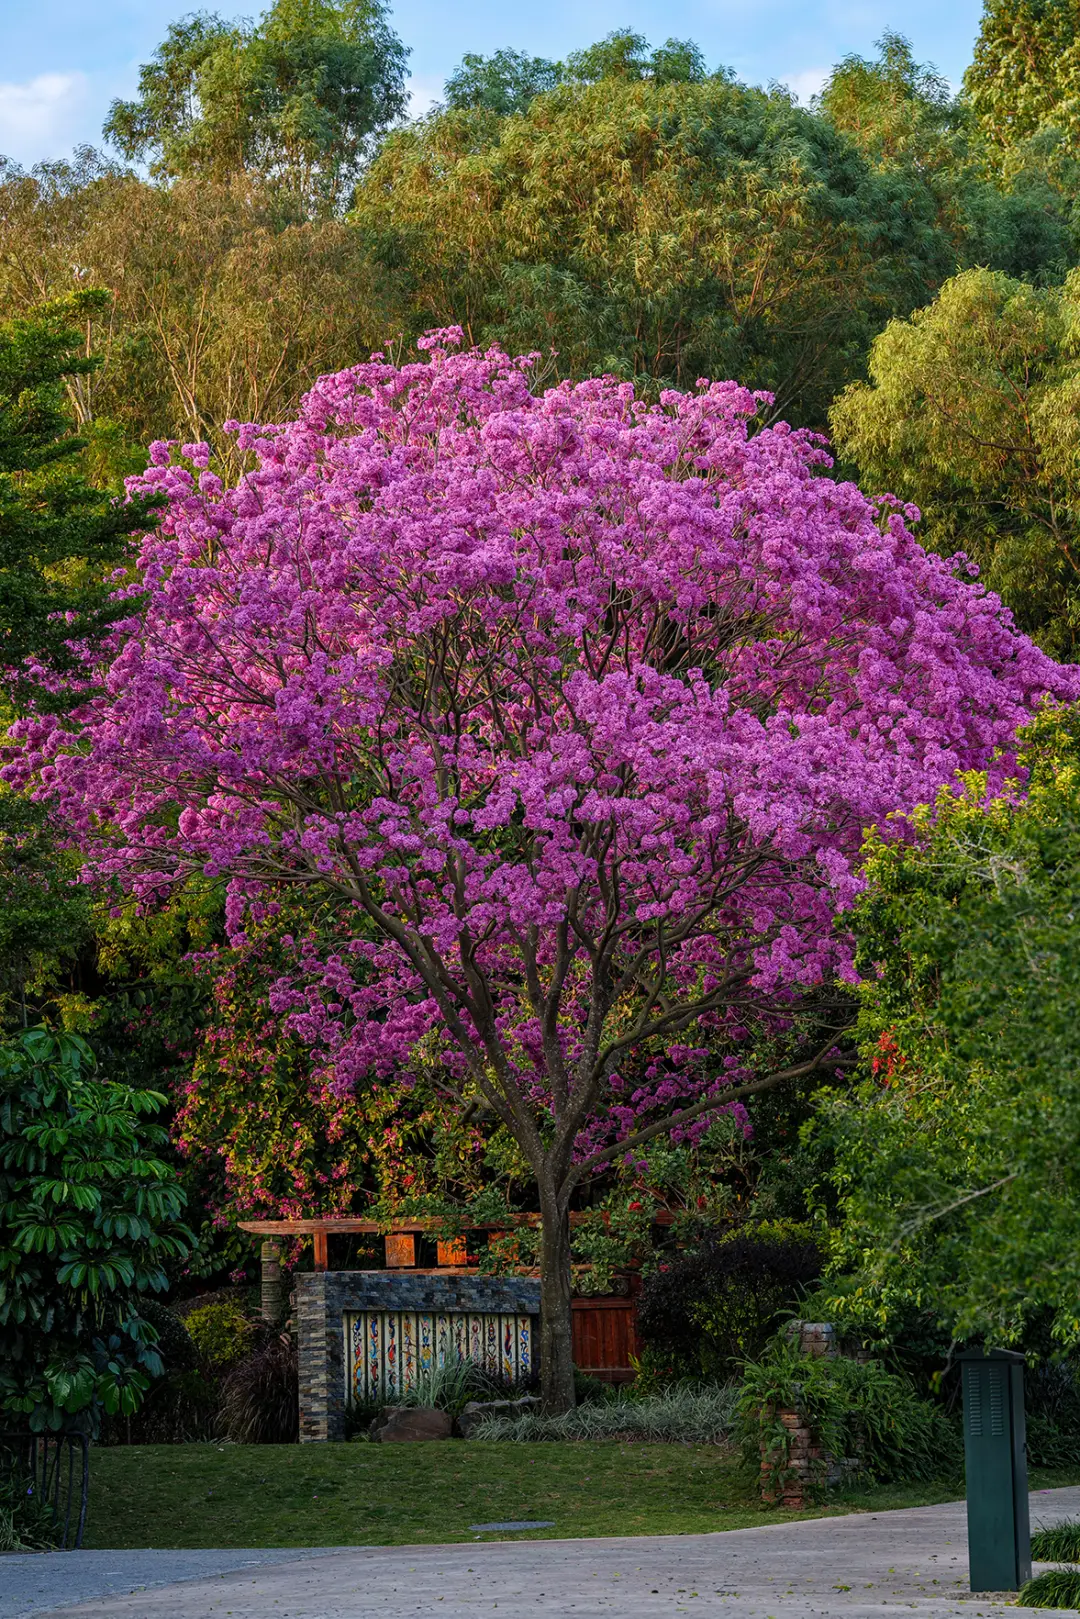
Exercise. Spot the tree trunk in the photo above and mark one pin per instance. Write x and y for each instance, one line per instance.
(556, 1341)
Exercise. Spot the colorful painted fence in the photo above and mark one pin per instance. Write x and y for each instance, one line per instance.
(387, 1351)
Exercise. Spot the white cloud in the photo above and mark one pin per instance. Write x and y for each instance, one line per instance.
(424, 91)
(39, 119)
(805, 85)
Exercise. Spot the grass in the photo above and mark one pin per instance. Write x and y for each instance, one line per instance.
(399, 1495)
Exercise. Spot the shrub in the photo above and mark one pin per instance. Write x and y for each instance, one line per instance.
(26, 1523)
(854, 1410)
(89, 1224)
(174, 1344)
(181, 1408)
(221, 1333)
(1057, 1588)
(1061, 1544)
(714, 1308)
(677, 1415)
(1052, 1397)
(587, 1389)
(260, 1397)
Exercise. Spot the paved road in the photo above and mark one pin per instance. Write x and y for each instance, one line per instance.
(866, 1566)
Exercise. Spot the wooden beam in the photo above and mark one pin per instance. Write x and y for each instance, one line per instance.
(346, 1225)
(321, 1247)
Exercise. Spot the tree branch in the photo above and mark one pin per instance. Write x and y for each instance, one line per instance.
(607, 1155)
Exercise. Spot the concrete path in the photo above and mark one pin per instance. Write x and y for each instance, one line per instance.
(33, 1584)
(859, 1567)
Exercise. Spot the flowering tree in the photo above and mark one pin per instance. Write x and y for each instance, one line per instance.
(566, 713)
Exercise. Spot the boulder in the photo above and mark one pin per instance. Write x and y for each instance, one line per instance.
(473, 1414)
(403, 1424)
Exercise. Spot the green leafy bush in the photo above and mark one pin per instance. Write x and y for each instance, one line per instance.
(709, 1310)
(180, 1408)
(89, 1221)
(27, 1524)
(221, 1333)
(854, 1410)
(175, 1344)
(1052, 1399)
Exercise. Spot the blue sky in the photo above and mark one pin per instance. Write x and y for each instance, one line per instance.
(63, 61)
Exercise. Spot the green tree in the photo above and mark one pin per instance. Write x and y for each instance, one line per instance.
(659, 230)
(902, 116)
(1024, 74)
(623, 55)
(970, 412)
(894, 107)
(45, 912)
(57, 532)
(504, 82)
(89, 1223)
(294, 98)
(1020, 93)
(227, 302)
(956, 1156)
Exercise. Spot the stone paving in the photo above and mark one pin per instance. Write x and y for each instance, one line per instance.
(865, 1566)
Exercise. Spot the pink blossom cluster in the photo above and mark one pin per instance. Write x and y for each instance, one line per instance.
(568, 711)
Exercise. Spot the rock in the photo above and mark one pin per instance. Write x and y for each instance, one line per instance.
(403, 1424)
(473, 1414)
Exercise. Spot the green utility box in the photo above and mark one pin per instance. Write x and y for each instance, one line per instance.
(995, 1459)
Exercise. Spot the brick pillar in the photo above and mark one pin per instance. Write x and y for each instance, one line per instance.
(321, 1357)
(804, 1466)
(807, 1467)
(816, 1338)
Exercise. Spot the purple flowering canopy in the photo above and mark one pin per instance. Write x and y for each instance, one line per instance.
(568, 710)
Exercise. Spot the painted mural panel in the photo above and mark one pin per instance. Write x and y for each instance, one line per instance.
(387, 1351)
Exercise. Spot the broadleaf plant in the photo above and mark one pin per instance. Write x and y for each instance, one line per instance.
(90, 1222)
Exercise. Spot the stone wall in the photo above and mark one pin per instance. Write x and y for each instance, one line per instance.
(324, 1298)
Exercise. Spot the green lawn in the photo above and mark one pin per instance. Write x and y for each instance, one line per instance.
(393, 1495)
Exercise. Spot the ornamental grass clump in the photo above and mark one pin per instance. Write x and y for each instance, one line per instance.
(260, 1395)
(560, 714)
(1059, 1544)
(452, 1385)
(1056, 1588)
(678, 1415)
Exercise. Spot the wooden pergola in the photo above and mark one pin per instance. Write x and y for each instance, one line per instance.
(605, 1340)
(399, 1255)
